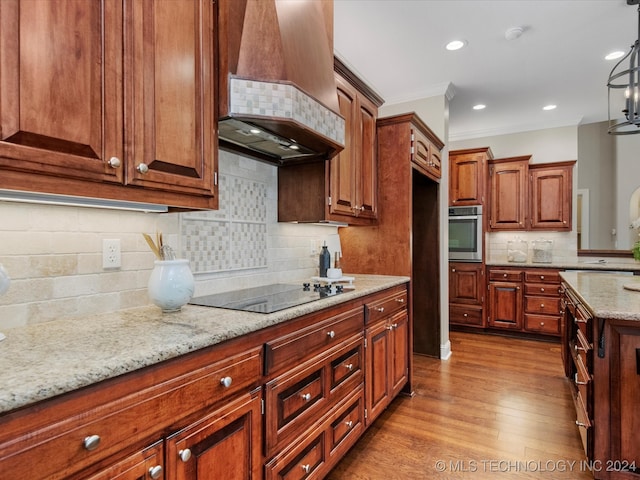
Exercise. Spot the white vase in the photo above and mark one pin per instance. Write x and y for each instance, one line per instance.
(171, 284)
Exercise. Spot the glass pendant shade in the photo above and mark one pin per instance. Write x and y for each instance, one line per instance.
(624, 90)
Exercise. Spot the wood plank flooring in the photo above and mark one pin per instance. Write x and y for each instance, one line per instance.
(499, 407)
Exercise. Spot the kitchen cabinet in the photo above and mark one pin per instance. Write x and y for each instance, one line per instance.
(505, 299)
(467, 176)
(387, 340)
(466, 294)
(148, 463)
(530, 197)
(425, 154)
(92, 103)
(344, 188)
(551, 196)
(542, 310)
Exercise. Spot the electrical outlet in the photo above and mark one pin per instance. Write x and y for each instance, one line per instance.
(111, 255)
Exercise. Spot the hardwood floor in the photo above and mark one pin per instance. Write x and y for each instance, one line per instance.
(499, 407)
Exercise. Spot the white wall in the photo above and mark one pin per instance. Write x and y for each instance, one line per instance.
(627, 182)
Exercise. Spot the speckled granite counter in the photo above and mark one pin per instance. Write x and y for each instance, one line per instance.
(604, 293)
(609, 264)
(40, 361)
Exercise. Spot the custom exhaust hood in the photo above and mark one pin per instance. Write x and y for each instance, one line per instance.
(277, 92)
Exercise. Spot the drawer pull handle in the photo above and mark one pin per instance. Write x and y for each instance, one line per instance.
(142, 168)
(542, 305)
(226, 382)
(306, 468)
(349, 366)
(505, 275)
(184, 455)
(306, 397)
(400, 300)
(389, 327)
(114, 162)
(542, 289)
(380, 309)
(579, 348)
(541, 277)
(465, 315)
(155, 472)
(349, 424)
(577, 382)
(331, 334)
(91, 442)
(394, 325)
(579, 320)
(580, 424)
(542, 324)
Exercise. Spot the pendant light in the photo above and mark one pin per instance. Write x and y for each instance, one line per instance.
(629, 80)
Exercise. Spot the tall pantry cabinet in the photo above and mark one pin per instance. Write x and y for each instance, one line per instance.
(405, 239)
(93, 102)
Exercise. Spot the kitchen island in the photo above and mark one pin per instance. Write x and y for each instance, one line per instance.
(185, 394)
(601, 355)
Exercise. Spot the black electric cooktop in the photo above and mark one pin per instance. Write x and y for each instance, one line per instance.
(268, 298)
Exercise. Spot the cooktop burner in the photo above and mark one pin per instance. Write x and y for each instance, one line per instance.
(268, 298)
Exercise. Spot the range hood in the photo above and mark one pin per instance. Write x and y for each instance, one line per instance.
(278, 100)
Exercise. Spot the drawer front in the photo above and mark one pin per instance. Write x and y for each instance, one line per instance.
(126, 420)
(584, 321)
(505, 275)
(348, 425)
(542, 305)
(386, 306)
(304, 461)
(464, 315)
(551, 276)
(541, 289)
(545, 324)
(297, 398)
(289, 349)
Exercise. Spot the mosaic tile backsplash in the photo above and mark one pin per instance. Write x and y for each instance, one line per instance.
(232, 238)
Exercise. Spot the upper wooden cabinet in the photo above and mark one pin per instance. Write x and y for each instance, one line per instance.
(467, 176)
(530, 197)
(93, 104)
(425, 150)
(343, 189)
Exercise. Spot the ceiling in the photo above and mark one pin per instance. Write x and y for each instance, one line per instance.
(398, 48)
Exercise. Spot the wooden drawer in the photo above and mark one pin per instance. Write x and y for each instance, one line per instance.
(505, 275)
(59, 448)
(541, 289)
(584, 321)
(349, 422)
(466, 315)
(304, 461)
(294, 347)
(385, 306)
(542, 305)
(550, 276)
(299, 397)
(545, 324)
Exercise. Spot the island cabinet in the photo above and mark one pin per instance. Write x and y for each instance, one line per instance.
(344, 188)
(525, 300)
(466, 294)
(92, 103)
(387, 350)
(524, 196)
(467, 176)
(602, 360)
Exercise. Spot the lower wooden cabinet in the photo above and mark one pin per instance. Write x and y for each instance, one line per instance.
(466, 294)
(145, 464)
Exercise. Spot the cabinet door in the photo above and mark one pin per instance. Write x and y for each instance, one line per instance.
(505, 305)
(508, 190)
(169, 95)
(367, 171)
(60, 90)
(399, 354)
(551, 192)
(425, 155)
(466, 180)
(377, 373)
(138, 466)
(466, 283)
(224, 444)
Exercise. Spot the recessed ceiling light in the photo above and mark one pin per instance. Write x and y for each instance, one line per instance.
(514, 33)
(456, 45)
(480, 106)
(255, 131)
(614, 55)
(549, 107)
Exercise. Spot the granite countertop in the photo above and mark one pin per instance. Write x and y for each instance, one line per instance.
(584, 263)
(604, 293)
(47, 359)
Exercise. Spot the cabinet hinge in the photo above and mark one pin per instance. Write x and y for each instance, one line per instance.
(262, 406)
(329, 201)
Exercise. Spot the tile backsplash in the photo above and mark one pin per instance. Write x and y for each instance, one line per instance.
(53, 254)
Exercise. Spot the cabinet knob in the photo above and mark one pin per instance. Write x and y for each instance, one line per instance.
(400, 300)
(143, 168)
(331, 334)
(91, 442)
(576, 381)
(542, 324)
(349, 366)
(380, 309)
(465, 315)
(115, 162)
(155, 472)
(541, 277)
(542, 305)
(542, 289)
(226, 382)
(306, 397)
(184, 455)
(306, 468)
(349, 424)
(394, 325)
(580, 424)
(453, 270)
(504, 275)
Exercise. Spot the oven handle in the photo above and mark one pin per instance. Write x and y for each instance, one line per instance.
(464, 217)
